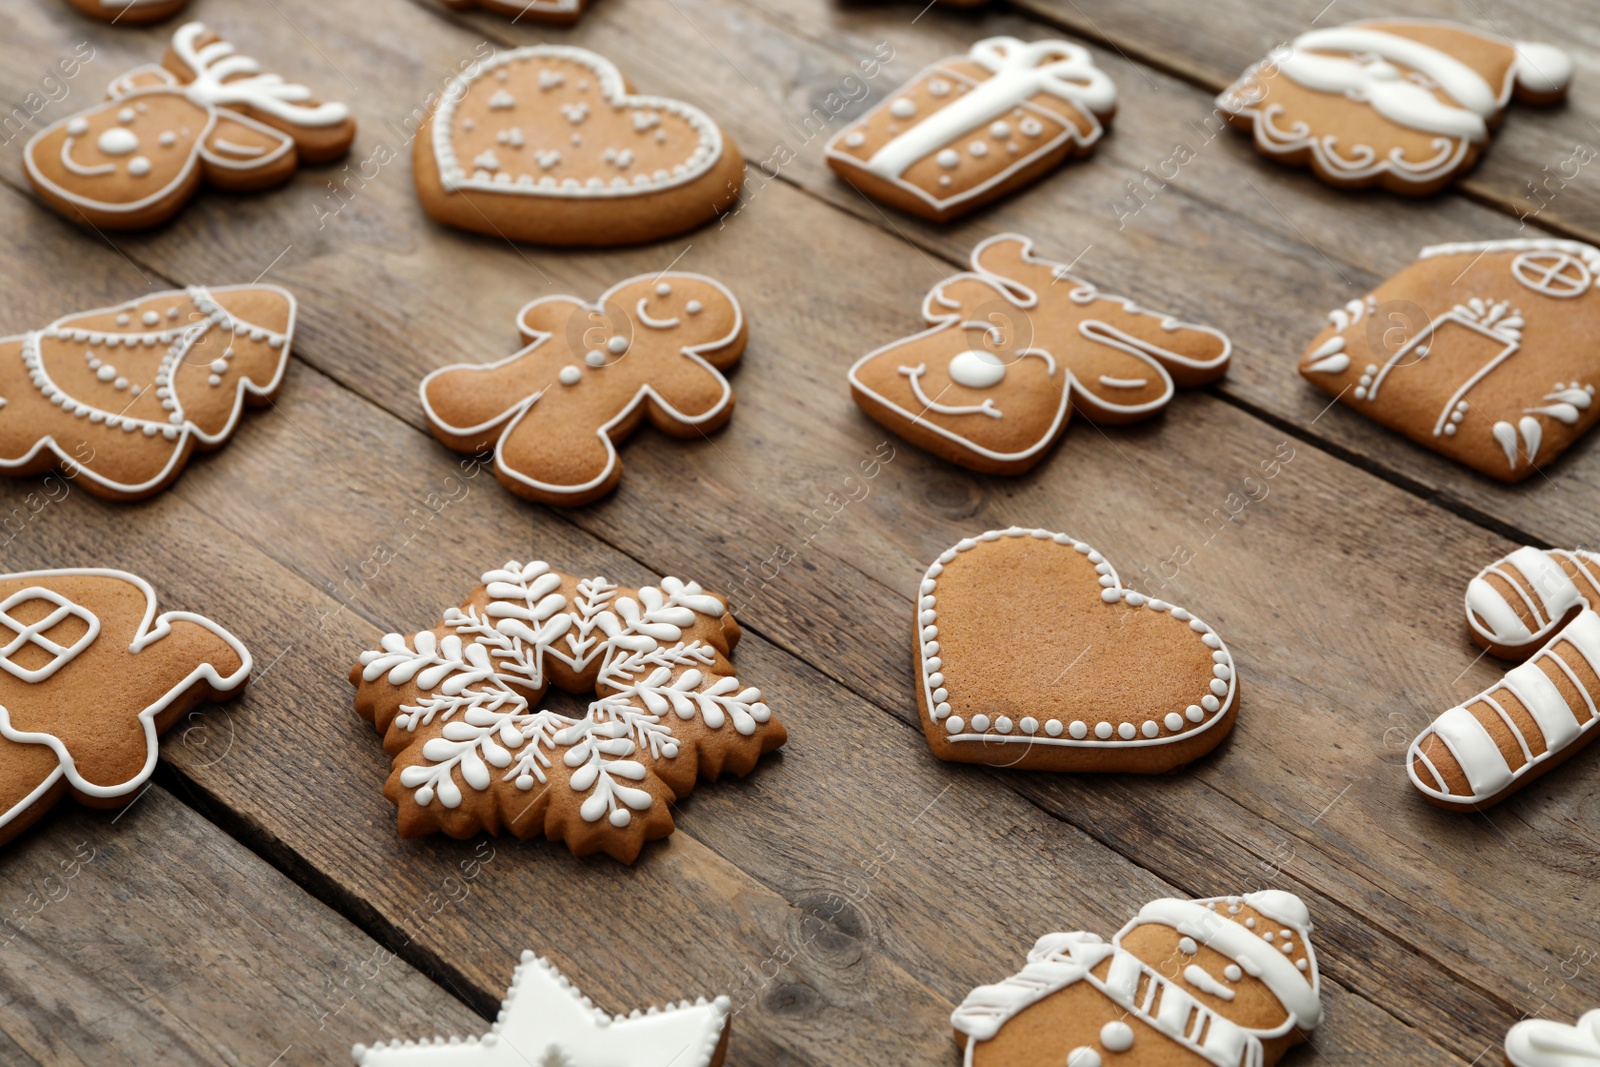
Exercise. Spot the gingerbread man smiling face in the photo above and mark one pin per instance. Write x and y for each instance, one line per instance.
(653, 345)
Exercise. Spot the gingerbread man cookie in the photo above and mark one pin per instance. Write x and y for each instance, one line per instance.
(654, 345)
(1534, 606)
(1543, 1043)
(1031, 654)
(122, 396)
(129, 12)
(90, 676)
(1016, 344)
(1224, 982)
(458, 708)
(1481, 352)
(556, 12)
(1403, 103)
(972, 128)
(544, 1015)
(206, 113)
(549, 144)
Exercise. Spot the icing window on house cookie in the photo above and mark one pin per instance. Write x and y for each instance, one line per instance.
(47, 631)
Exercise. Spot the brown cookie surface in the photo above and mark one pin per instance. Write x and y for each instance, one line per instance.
(1407, 104)
(1031, 654)
(129, 12)
(1188, 983)
(653, 346)
(1014, 347)
(120, 397)
(547, 144)
(558, 12)
(970, 129)
(207, 113)
(90, 676)
(1481, 351)
(473, 752)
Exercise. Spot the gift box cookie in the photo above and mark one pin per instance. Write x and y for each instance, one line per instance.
(1481, 351)
(1224, 982)
(1404, 103)
(972, 128)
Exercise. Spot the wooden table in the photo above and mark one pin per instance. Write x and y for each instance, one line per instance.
(256, 905)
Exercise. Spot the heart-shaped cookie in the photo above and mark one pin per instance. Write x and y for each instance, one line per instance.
(547, 144)
(1031, 654)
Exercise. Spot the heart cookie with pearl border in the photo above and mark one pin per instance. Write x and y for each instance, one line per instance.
(549, 144)
(1031, 654)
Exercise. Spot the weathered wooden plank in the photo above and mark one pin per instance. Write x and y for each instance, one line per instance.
(149, 936)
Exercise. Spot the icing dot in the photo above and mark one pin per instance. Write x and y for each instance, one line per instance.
(903, 108)
(106, 373)
(1267, 937)
(1002, 130)
(1288, 948)
(1188, 947)
(663, 289)
(693, 307)
(617, 345)
(125, 116)
(123, 319)
(855, 139)
(1126, 731)
(1103, 730)
(1232, 972)
(1083, 1056)
(1030, 127)
(1250, 924)
(1300, 963)
(118, 142)
(621, 817)
(947, 159)
(167, 139)
(78, 127)
(1117, 1036)
(1219, 657)
(138, 166)
(1195, 713)
(1286, 934)
(1219, 687)
(1029, 725)
(1174, 721)
(954, 724)
(976, 369)
(1211, 641)
(1210, 703)
(595, 359)
(978, 149)
(938, 87)
(1003, 724)
(570, 374)
(151, 318)
(219, 366)
(980, 723)
(1150, 729)
(1053, 727)
(214, 379)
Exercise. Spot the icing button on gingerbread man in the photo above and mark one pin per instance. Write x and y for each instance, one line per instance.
(653, 346)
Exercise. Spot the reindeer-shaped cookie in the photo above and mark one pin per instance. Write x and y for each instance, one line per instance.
(206, 113)
(1016, 345)
(120, 397)
(89, 676)
(1536, 606)
(653, 345)
(1483, 352)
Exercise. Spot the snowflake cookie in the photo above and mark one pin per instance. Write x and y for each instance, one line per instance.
(1031, 654)
(1480, 351)
(1225, 982)
(545, 1022)
(458, 708)
(90, 675)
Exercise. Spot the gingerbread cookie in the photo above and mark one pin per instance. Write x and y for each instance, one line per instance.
(558, 12)
(206, 113)
(654, 345)
(1542, 1043)
(90, 675)
(544, 1020)
(972, 128)
(1532, 605)
(1481, 352)
(1031, 654)
(120, 397)
(457, 708)
(1224, 982)
(1403, 103)
(1014, 346)
(129, 12)
(549, 144)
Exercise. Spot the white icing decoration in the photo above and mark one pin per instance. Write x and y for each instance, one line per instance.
(223, 77)
(1527, 570)
(151, 630)
(942, 697)
(545, 1020)
(78, 168)
(699, 161)
(1116, 1036)
(117, 141)
(1544, 1043)
(976, 369)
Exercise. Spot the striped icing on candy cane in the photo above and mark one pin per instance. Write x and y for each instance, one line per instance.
(1543, 592)
(1528, 705)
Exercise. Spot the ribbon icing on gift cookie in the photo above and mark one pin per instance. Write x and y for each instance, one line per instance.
(1014, 346)
(654, 345)
(1480, 351)
(129, 12)
(119, 398)
(1404, 103)
(559, 12)
(1224, 982)
(1533, 605)
(1031, 654)
(90, 676)
(458, 708)
(546, 144)
(207, 112)
(972, 128)
(545, 1022)
(1544, 1043)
